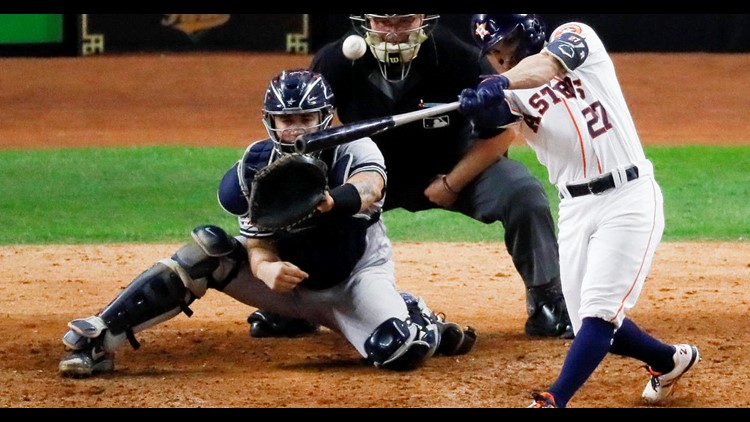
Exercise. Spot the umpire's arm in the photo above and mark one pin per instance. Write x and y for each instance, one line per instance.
(444, 189)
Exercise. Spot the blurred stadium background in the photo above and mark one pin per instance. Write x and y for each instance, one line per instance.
(93, 34)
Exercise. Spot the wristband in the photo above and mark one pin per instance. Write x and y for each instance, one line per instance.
(346, 200)
(447, 186)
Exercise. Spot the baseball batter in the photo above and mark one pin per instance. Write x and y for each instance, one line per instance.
(334, 270)
(565, 97)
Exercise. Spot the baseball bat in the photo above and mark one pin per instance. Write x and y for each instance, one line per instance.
(331, 137)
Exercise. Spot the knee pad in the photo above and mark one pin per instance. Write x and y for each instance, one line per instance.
(212, 261)
(418, 310)
(401, 345)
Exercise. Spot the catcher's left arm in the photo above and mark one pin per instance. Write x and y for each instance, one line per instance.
(293, 188)
(368, 187)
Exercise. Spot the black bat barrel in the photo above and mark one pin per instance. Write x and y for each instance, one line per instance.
(331, 137)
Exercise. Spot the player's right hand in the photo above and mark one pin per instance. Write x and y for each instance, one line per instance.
(281, 276)
(492, 88)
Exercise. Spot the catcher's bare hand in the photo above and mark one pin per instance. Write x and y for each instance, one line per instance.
(281, 276)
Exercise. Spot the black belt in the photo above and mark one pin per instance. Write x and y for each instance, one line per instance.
(600, 185)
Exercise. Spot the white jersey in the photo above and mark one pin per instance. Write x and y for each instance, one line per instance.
(579, 124)
(612, 220)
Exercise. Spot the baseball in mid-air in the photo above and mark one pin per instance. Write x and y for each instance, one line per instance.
(354, 47)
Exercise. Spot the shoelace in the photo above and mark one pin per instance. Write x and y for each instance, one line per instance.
(655, 382)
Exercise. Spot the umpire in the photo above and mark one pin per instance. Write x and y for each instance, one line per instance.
(442, 161)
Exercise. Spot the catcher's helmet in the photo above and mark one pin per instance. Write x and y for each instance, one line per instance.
(489, 30)
(396, 48)
(293, 92)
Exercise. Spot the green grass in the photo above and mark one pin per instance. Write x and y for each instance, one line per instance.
(706, 197)
(158, 194)
(73, 196)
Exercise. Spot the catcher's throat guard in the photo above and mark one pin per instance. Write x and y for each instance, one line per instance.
(286, 192)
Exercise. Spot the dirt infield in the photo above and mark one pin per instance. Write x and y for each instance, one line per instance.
(695, 293)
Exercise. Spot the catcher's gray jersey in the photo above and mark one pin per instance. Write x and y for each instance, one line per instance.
(367, 296)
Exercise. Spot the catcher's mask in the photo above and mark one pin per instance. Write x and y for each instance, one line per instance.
(394, 39)
(297, 91)
(489, 30)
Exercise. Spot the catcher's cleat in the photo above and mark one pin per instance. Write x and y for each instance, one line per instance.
(661, 386)
(543, 401)
(269, 324)
(86, 362)
(454, 340)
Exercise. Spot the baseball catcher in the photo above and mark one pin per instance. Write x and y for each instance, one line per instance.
(311, 247)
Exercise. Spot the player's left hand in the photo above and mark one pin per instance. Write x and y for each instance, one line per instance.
(489, 93)
(469, 102)
(439, 195)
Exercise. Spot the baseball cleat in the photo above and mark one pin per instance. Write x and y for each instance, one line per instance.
(270, 324)
(548, 313)
(549, 320)
(543, 401)
(86, 362)
(454, 340)
(661, 386)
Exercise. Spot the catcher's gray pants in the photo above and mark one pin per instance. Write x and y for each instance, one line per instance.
(354, 308)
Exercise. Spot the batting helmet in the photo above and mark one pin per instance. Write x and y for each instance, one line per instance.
(489, 30)
(294, 92)
(396, 47)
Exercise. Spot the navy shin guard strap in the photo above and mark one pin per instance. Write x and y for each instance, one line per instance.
(131, 339)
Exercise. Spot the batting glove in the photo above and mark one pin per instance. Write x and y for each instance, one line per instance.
(469, 103)
(494, 84)
(489, 93)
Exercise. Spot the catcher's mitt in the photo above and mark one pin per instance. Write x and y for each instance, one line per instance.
(286, 192)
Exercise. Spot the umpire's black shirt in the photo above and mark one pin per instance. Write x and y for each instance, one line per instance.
(414, 153)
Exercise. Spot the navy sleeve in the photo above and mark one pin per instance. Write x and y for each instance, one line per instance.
(570, 48)
(230, 193)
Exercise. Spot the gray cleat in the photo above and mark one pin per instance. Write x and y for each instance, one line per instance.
(86, 362)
